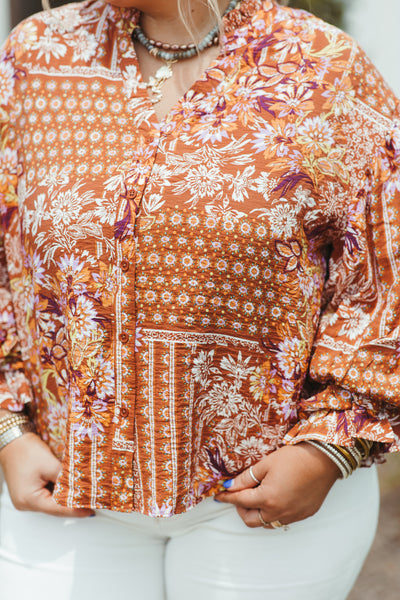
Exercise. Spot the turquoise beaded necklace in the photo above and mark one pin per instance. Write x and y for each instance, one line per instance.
(172, 53)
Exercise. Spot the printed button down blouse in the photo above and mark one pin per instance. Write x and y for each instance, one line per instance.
(182, 297)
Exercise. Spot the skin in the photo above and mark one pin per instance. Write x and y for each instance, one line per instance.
(30, 469)
(294, 479)
(160, 20)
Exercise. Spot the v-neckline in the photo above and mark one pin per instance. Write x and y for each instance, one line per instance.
(129, 17)
(182, 98)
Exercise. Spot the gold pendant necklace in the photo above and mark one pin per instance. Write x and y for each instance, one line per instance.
(155, 83)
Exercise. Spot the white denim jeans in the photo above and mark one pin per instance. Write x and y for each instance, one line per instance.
(205, 554)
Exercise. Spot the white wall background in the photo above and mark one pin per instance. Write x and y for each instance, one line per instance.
(4, 19)
(373, 23)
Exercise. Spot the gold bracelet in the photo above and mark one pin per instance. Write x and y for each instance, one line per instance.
(364, 446)
(359, 452)
(10, 421)
(351, 459)
(15, 432)
(348, 459)
(337, 457)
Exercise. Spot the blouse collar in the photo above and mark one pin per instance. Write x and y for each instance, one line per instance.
(243, 12)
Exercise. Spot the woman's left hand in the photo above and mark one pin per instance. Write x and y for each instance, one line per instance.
(294, 482)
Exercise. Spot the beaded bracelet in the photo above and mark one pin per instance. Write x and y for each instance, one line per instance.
(347, 459)
(9, 421)
(343, 466)
(13, 427)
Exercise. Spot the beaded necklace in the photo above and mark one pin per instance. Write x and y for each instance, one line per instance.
(172, 53)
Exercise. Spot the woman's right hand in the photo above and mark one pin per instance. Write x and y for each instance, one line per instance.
(30, 469)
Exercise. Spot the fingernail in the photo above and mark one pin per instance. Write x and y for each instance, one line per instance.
(219, 501)
(90, 516)
(228, 484)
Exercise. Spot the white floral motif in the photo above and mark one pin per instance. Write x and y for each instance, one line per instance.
(304, 198)
(223, 399)
(83, 324)
(283, 220)
(66, 206)
(222, 396)
(39, 213)
(131, 80)
(241, 184)
(153, 203)
(48, 47)
(55, 178)
(7, 82)
(289, 356)
(202, 367)
(355, 321)
(106, 209)
(84, 45)
(202, 181)
(316, 134)
(8, 165)
(64, 21)
(264, 184)
(252, 449)
(239, 368)
(25, 36)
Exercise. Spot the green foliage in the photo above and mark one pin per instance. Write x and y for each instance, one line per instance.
(328, 10)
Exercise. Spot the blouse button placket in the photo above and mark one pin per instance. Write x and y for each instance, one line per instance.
(125, 265)
(124, 337)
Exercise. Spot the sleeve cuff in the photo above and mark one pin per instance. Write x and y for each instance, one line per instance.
(336, 417)
(15, 391)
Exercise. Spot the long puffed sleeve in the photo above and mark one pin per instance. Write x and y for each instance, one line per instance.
(14, 385)
(354, 375)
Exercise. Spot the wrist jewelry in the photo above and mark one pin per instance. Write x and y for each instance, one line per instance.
(344, 467)
(9, 421)
(12, 427)
(347, 459)
(171, 53)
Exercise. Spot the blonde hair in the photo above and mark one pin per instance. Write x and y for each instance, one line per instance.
(187, 20)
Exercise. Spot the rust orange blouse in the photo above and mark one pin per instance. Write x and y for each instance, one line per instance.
(180, 298)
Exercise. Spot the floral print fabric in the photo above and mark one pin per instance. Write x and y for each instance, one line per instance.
(180, 298)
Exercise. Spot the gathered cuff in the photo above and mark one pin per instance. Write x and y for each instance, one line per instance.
(335, 416)
(15, 391)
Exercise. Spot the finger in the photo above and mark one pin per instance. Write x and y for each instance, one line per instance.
(257, 518)
(249, 478)
(43, 501)
(248, 498)
(249, 517)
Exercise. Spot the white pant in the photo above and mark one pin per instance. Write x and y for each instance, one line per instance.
(206, 554)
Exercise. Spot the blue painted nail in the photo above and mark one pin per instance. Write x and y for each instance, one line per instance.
(227, 484)
(90, 516)
(219, 501)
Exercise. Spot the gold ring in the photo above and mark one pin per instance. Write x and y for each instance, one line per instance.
(278, 525)
(254, 478)
(263, 523)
